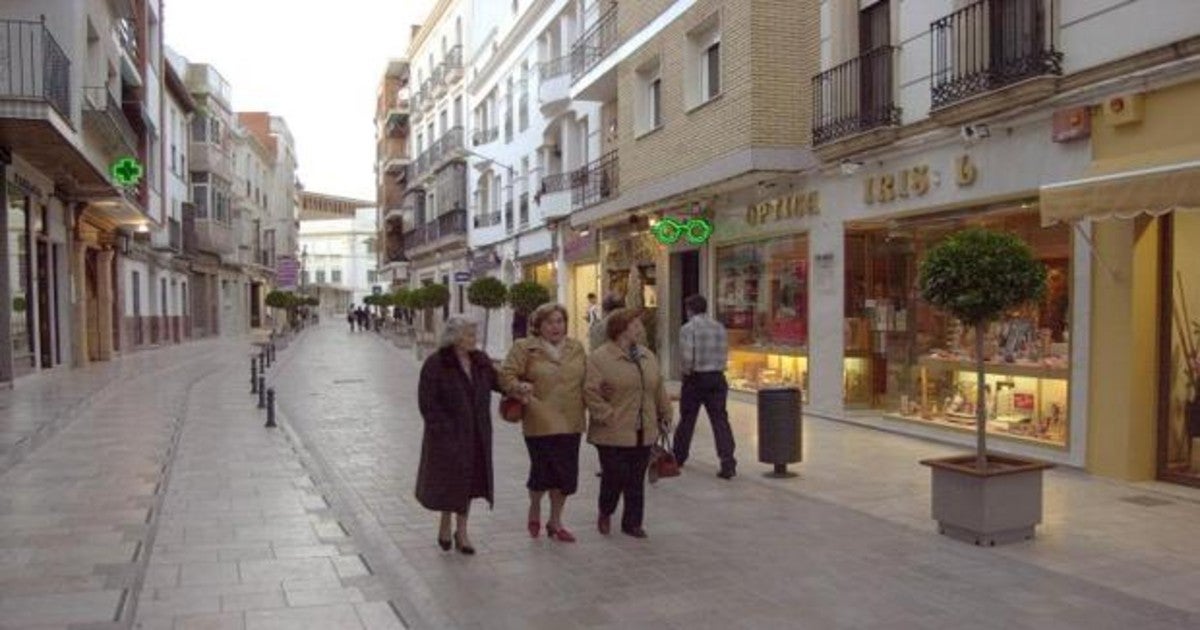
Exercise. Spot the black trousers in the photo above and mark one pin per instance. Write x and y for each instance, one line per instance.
(623, 472)
(711, 390)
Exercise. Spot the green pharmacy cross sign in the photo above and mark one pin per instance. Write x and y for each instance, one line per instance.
(127, 171)
(696, 230)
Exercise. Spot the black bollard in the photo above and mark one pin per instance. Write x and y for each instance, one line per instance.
(253, 375)
(262, 390)
(271, 408)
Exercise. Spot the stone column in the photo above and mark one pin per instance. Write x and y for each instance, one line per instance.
(104, 278)
(79, 304)
(6, 367)
(826, 317)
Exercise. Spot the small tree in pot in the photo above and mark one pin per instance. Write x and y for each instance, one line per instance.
(524, 298)
(487, 293)
(976, 276)
(283, 300)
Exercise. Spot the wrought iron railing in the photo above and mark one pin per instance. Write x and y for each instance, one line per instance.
(450, 143)
(555, 182)
(33, 66)
(855, 96)
(487, 219)
(991, 44)
(99, 105)
(126, 31)
(554, 68)
(174, 234)
(595, 44)
(484, 136)
(596, 182)
(454, 59)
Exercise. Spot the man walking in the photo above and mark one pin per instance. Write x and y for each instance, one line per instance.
(705, 351)
(593, 310)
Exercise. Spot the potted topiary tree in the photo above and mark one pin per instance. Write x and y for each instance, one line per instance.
(524, 297)
(281, 300)
(976, 276)
(487, 293)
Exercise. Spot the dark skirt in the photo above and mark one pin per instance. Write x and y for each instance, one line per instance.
(553, 462)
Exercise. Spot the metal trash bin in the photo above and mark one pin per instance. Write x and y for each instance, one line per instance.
(780, 430)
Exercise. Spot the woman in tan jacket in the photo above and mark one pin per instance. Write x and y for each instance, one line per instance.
(546, 372)
(629, 407)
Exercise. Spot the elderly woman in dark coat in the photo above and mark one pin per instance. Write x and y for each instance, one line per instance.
(454, 396)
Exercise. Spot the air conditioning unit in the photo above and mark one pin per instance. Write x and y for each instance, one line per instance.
(1123, 109)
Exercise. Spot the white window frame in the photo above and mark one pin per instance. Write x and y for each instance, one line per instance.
(646, 101)
(700, 40)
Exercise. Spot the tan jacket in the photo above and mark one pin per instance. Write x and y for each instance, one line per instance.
(557, 403)
(615, 419)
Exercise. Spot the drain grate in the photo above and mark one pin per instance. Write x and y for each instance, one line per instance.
(1146, 500)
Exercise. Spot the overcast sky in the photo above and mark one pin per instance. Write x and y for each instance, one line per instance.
(317, 64)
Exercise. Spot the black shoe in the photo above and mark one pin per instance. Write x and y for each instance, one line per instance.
(444, 544)
(636, 532)
(727, 473)
(466, 550)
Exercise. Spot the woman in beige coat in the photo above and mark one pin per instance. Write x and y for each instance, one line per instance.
(629, 407)
(546, 372)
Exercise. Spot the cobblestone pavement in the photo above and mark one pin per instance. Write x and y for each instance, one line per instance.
(847, 544)
(154, 498)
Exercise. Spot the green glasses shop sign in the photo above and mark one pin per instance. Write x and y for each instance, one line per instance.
(127, 171)
(696, 230)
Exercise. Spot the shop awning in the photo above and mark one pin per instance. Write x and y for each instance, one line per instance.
(1154, 183)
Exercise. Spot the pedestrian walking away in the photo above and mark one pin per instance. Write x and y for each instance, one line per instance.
(704, 350)
(629, 407)
(545, 371)
(454, 397)
(350, 316)
(593, 310)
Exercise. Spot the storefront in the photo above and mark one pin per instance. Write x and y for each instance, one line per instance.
(581, 255)
(629, 267)
(915, 364)
(1139, 203)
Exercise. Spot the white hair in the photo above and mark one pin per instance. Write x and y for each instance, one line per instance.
(454, 329)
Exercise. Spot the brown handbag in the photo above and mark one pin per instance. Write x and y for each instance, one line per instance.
(512, 409)
(662, 459)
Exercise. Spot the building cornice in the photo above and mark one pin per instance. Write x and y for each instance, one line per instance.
(427, 27)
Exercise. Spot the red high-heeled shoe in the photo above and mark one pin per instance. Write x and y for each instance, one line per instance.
(559, 533)
(535, 528)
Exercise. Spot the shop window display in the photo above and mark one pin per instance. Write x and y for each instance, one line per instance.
(920, 363)
(762, 298)
(21, 322)
(1183, 366)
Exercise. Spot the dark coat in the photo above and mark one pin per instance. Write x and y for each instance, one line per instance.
(456, 451)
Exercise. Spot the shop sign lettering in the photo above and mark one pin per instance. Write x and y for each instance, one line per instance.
(790, 207)
(914, 182)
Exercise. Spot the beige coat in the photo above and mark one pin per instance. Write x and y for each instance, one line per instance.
(557, 403)
(615, 419)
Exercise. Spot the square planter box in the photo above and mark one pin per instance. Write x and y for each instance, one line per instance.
(998, 506)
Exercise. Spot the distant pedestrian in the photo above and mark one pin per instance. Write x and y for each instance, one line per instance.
(704, 349)
(629, 407)
(361, 317)
(596, 333)
(546, 370)
(454, 396)
(350, 317)
(593, 310)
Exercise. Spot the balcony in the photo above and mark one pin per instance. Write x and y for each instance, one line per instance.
(103, 115)
(554, 85)
(211, 158)
(397, 116)
(856, 97)
(453, 65)
(990, 56)
(416, 109)
(480, 137)
(595, 182)
(551, 196)
(427, 95)
(595, 44)
(215, 237)
(35, 67)
(448, 229)
(125, 36)
(448, 147)
(487, 219)
(438, 80)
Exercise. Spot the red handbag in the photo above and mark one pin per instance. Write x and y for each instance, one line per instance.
(512, 409)
(662, 459)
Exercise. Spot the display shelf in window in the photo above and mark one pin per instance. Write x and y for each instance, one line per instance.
(1025, 401)
(752, 370)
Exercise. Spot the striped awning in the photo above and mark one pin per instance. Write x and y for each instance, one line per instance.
(1151, 183)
